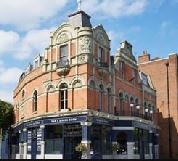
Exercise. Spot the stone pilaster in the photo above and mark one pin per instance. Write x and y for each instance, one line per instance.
(130, 150)
(43, 142)
(151, 144)
(86, 128)
(156, 146)
(25, 143)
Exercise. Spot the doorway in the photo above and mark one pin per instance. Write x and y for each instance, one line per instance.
(72, 137)
(69, 147)
(34, 144)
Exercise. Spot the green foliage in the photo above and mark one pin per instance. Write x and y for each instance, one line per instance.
(6, 116)
(81, 148)
(115, 147)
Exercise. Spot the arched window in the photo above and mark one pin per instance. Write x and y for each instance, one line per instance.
(126, 98)
(122, 142)
(137, 107)
(146, 110)
(23, 95)
(101, 90)
(63, 96)
(132, 105)
(136, 101)
(149, 111)
(131, 100)
(92, 84)
(35, 100)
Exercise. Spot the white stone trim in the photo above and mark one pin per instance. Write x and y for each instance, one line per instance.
(114, 142)
(86, 123)
(86, 142)
(42, 126)
(53, 156)
(123, 128)
(24, 130)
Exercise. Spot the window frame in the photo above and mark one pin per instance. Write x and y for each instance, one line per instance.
(63, 96)
(65, 56)
(100, 54)
(35, 101)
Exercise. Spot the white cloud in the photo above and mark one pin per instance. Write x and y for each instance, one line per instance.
(115, 8)
(6, 95)
(27, 14)
(9, 75)
(115, 36)
(32, 43)
(8, 41)
(1, 66)
(8, 79)
(23, 47)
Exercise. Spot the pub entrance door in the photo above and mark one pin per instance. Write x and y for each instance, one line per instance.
(34, 144)
(69, 147)
(72, 137)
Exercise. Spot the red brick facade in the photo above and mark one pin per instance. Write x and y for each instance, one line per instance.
(77, 76)
(163, 73)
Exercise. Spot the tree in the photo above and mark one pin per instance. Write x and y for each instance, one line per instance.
(6, 116)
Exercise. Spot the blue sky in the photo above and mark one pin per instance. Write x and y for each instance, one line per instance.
(25, 26)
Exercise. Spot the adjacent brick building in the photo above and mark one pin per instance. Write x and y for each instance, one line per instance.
(164, 76)
(78, 93)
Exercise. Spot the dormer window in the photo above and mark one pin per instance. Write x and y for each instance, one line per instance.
(64, 53)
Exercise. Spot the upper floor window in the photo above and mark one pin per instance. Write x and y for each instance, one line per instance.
(63, 95)
(100, 54)
(35, 100)
(92, 84)
(133, 76)
(64, 52)
(23, 95)
(121, 69)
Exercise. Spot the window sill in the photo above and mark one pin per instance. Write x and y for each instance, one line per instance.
(65, 110)
(33, 113)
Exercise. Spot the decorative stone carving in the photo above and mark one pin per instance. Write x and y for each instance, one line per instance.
(77, 84)
(85, 44)
(100, 38)
(82, 59)
(63, 38)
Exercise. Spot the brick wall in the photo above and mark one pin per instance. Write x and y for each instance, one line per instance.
(158, 72)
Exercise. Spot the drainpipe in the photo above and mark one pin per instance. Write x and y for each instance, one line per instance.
(169, 118)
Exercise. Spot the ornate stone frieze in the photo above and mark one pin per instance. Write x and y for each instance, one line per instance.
(85, 45)
(100, 39)
(63, 38)
(82, 59)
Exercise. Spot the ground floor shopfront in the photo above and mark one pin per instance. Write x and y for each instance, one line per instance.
(57, 137)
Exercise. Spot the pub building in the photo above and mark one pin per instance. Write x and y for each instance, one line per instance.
(78, 93)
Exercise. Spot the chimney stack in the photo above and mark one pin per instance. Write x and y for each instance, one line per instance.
(145, 57)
